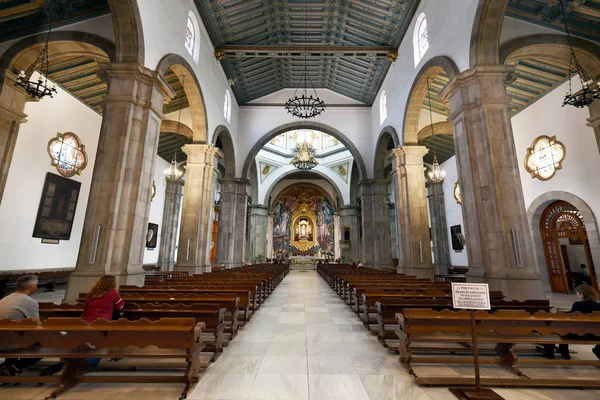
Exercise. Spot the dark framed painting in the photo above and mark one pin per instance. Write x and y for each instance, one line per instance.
(57, 208)
(151, 236)
(455, 234)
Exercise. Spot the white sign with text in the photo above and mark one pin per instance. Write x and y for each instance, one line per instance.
(474, 296)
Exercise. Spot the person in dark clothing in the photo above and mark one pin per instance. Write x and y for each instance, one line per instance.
(587, 305)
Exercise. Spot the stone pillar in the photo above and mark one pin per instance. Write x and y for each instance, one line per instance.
(496, 229)
(350, 217)
(232, 223)
(170, 225)
(116, 221)
(594, 120)
(412, 221)
(393, 233)
(337, 233)
(195, 235)
(12, 104)
(376, 242)
(439, 228)
(257, 232)
(270, 236)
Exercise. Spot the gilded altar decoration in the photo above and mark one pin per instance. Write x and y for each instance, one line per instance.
(544, 157)
(457, 193)
(342, 170)
(153, 191)
(67, 154)
(266, 170)
(303, 223)
(304, 157)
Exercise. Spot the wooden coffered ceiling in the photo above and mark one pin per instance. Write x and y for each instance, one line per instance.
(262, 44)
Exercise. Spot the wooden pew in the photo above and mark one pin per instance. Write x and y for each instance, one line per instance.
(46, 279)
(228, 302)
(387, 308)
(161, 276)
(504, 328)
(70, 339)
(211, 315)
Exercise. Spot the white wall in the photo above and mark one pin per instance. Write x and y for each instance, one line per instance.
(454, 215)
(28, 169)
(547, 117)
(157, 208)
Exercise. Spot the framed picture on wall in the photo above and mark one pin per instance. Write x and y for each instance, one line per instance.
(455, 234)
(57, 208)
(151, 236)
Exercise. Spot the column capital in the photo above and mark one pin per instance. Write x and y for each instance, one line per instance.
(201, 153)
(12, 97)
(409, 155)
(373, 186)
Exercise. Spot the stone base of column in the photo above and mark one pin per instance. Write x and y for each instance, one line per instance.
(82, 282)
(193, 269)
(165, 266)
(424, 271)
(519, 286)
(231, 265)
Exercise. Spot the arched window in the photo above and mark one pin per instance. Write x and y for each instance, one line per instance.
(227, 106)
(190, 36)
(420, 38)
(382, 107)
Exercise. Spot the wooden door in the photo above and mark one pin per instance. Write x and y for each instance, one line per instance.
(556, 271)
(590, 264)
(566, 263)
(215, 234)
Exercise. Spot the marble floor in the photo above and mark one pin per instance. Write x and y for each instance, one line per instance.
(303, 343)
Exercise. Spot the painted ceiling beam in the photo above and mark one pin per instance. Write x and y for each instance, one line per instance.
(241, 51)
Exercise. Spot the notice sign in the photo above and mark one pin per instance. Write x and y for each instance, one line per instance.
(474, 296)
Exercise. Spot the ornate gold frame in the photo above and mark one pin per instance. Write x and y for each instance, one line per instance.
(304, 245)
(457, 198)
(552, 140)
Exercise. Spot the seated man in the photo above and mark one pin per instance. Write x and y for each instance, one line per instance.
(19, 306)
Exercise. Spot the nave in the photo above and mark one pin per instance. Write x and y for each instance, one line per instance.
(303, 343)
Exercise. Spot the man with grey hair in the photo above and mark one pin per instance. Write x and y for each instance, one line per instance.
(19, 306)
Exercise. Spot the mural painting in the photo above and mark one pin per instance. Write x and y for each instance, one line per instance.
(303, 224)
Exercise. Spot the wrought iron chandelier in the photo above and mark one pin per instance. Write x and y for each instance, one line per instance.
(305, 106)
(173, 173)
(436, 175)
(40, 88)
(586, 95)
(304, 157)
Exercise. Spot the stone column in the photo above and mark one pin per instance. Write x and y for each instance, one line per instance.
(257, 232)
(195, 234)
(116, 221)
(350, 217)
(337, 233)
(393, 233)
(594, 120)
(232, 223)
(12, 104)
(270, 236)
(170, 225)
(496, 229)
(412, 221)
(376, 241)
(439, 228)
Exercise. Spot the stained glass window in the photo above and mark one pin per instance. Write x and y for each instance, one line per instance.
(190, 36)
(544, 157)
(382, 107)
(227, 106)
(67, 154)
(420, 38)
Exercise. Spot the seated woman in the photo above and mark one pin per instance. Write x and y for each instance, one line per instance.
(101, 302)
(587, 304)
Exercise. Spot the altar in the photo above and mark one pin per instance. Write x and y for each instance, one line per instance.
(303, 262)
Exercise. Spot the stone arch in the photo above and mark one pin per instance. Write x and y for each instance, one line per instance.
(182, 69)
(418, 91)
(175, 127)
(553, 48)
(305, 125)
(303, 184)
(534, 213)
(439, 128)
(129, 36)
(316, 172)
(22, 55)
(485, 35)
(228, 149)
(388, 133)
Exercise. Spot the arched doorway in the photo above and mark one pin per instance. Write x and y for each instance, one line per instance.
(566, 247)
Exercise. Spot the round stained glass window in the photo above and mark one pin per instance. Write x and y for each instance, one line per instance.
(67, 154)
(544, 157)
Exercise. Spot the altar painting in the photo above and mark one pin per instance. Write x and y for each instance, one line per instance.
(303, 224)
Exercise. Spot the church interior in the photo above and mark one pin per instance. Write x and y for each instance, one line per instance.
(299, 199)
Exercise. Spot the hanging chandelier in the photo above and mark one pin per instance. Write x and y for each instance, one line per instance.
(304, 157)
(173, 173)
(586, 95)
(40, 88)
(305, 106)
(436, 175)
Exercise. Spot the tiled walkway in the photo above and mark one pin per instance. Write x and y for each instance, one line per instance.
(303, 343)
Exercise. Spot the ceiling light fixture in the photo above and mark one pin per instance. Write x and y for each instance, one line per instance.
(173, 173)
(436, 175)
(586, 95)
(306, 106)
